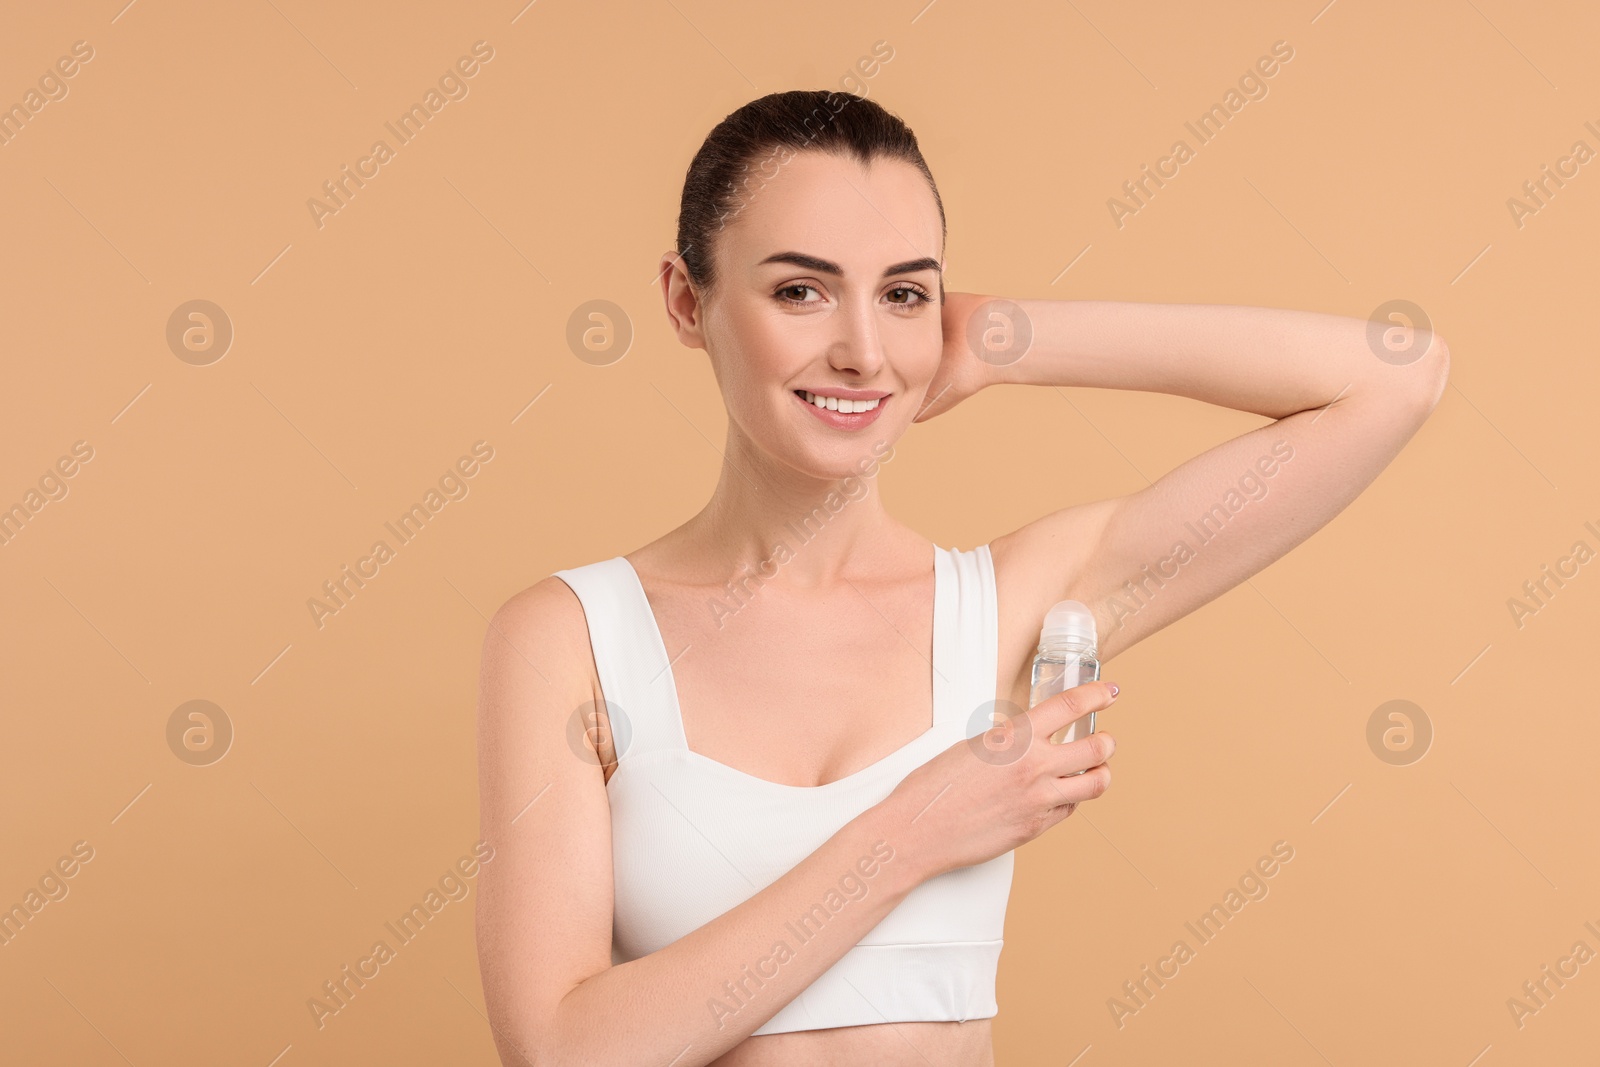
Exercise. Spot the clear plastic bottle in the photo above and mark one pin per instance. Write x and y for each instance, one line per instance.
(1066, 657)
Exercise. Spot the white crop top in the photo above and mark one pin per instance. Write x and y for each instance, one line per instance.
(693, 838)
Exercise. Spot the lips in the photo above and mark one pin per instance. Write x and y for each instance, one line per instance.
(842, 419)
(854, 400)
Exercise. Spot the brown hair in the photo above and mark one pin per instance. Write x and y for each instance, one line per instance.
(767, 132)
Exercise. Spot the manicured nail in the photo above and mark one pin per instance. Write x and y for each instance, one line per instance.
(1114, 689)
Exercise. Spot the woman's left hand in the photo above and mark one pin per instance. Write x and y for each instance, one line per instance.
(961, 371)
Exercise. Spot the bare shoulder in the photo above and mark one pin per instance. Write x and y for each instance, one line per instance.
(541, 793)
(536, 654)
(547, 611)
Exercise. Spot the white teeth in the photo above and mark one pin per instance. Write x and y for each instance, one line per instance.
(833, 403)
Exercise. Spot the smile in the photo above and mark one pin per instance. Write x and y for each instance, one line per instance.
(842, 412)
(833, 403)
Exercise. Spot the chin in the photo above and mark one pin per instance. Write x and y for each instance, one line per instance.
(857, 457)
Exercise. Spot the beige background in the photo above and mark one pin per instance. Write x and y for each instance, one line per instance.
(431, 310)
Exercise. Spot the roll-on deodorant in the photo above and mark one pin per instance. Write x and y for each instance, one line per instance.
(1066, 657)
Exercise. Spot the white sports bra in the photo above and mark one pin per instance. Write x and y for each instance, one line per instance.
(693, 838)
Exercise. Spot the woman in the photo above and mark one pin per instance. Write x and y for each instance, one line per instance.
(725, 829)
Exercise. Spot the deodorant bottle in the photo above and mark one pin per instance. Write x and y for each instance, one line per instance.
(1066, 657)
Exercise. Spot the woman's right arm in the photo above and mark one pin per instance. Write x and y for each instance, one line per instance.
(544, 905)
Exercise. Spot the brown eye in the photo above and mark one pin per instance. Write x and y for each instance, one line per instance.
(782, 294)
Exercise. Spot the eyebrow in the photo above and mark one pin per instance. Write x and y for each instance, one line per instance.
(825, 266)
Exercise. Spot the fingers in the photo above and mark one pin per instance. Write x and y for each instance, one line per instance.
(1074, 789)
(1055, 712)
(1083, 754)
(1058, 814)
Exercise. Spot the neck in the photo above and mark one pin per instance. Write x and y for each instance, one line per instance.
(766, 517)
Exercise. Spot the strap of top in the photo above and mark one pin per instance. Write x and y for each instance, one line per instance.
(637, 683)
(966, 639)
(628, 655)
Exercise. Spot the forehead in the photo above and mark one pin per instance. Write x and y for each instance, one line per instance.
(862, 217)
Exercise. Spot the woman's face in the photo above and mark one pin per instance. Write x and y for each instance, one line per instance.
(828, 281)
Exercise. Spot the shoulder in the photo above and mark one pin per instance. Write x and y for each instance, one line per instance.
(541, 793)
(539, 689)
(537, 643)
(547, 615)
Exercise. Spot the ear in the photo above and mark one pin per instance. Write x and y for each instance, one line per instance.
(683, 303)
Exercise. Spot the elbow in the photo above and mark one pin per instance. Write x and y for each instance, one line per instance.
(1404, 381)
(1437, 376)
(1428, 375)
(518, 1046)
(529, 1039)
(523, 1037)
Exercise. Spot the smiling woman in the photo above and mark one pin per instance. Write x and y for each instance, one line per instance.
(790, 841)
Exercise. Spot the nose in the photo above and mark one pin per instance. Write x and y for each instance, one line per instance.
(858, 348)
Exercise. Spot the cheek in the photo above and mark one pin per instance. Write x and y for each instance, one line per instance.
(767, 350)
(922, 355)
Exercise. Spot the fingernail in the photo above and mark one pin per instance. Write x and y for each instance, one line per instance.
(1114, 688)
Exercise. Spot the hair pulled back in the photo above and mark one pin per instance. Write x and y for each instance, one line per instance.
(746, 149)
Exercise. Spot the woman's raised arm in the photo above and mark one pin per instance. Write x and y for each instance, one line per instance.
(1344, 405)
